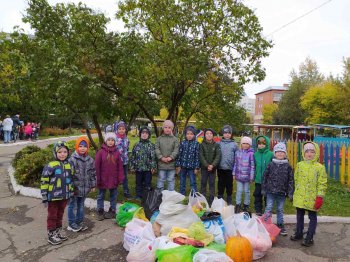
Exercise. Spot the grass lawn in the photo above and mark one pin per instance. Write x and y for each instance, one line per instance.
(337, 199)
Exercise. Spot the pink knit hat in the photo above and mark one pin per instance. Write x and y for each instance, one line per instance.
(309, 146)
(246, 140)
(168, 123)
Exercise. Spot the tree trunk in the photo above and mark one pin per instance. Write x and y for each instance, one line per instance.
(98, 128)
(149, 116)
(88, 133)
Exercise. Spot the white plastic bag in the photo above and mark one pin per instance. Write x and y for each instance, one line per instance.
(196, 198)
(216, 228)
(230, 228)
(135, 231)
(163, 242)
(228, 211)
(173, 214)
(218, 205)
(142, 252)
(258, 236)
(207, 255)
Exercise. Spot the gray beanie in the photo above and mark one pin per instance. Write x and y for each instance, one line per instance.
(226, 129)
(279, 147)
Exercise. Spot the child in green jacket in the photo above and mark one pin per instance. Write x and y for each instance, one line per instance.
(262, 157)
(310, 188)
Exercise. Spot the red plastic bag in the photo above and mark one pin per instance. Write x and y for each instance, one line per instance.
(270, 227)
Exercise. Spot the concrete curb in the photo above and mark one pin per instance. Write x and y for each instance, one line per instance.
(37, 141)
(35, 192)
(92, 203)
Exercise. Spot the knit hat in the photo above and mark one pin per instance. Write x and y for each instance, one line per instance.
(279, 147)
(168, 123)
(226, 129)
(209, 129)
(246, 140)
(82, 141)
(143, 129)
(191, 129)
(110, 135)
(58, 145)
(309, 146)
(119, 124)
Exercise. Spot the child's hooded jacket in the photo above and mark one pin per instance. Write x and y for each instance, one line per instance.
(310, 181)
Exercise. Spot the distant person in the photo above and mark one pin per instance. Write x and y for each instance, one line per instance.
(28, 130)
(16, 127)
(7, 128)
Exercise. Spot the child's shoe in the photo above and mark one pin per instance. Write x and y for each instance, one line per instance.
(308, 241)
(53, 239)
(100, 215)
(283, 230)
(60, 235)
(110, 214)
(83, 226)
(127, 195)
(74, 227)
(245, 208)
(296, 236)
(238, 208)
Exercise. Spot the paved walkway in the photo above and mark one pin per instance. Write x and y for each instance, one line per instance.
(23, 233)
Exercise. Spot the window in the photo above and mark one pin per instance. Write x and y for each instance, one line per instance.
(277, 97)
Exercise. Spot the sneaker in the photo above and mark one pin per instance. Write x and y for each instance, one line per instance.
(307, 242)
(245, 208)
(296, 236)
(100, 215)
(238, 208)
(83, 226)
(283, 230)
(74, 228)
(127, 195)
(229, 200)
(110, 214)
(60, 235)
(53, 239)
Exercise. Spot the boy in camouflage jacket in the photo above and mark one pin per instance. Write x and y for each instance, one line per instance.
(143, 161)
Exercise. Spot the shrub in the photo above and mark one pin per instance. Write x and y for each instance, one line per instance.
(30, 167)
(24, 152)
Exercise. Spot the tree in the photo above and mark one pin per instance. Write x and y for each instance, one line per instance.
(191, 47)
(289, 109)
(323, 104)
(268, 112)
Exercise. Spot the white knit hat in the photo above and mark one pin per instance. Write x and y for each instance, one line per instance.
(110, 135)
(309, 146)
(246, 140)
(280, 147)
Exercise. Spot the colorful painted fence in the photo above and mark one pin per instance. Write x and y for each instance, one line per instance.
(335, 158)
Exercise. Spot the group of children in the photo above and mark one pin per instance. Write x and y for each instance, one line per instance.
(70, 180)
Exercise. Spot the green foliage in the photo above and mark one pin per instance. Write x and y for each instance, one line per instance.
(289, 109)
(30, 167)
(23, 153)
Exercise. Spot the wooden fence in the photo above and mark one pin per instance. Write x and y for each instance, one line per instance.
(334, 157)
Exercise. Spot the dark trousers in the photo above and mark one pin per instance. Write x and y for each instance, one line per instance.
(205, 177)
(125, 182)
(300, 222)
(259, 199)
(143, 181)
(55, 211)
(225, 182)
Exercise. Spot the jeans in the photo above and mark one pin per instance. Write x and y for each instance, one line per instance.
(270, 200)
(113, 192)
(259, 199)
(7, 136)
(55, 211)
(183, 175)
(78, 204)
(205, 176)
(243, 187)
(166, 175)
(125, 182)
(300, 222)
(225, 182)
(143, 181)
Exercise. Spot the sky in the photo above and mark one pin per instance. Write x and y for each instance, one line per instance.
(323, 34)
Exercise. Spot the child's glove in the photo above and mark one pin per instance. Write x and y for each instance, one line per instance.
(318, 203)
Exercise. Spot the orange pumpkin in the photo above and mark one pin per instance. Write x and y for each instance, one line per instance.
(239, 249)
